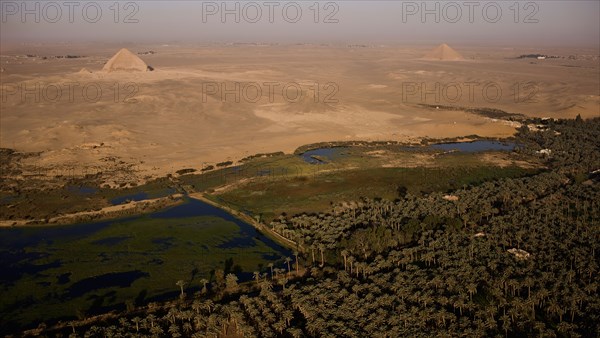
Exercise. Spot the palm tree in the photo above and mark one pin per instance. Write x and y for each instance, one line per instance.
(279, 326)
(297, 267)
(172, 315)
(231, 282)
(181, 284)
(283, 281)
(72, 324)
(322, 250)
(345, 255)
(204, 281)
(187, 328)
(196, 306)
(266, 285)
(506, 324)
(471, 289)
(198, 322)
(288, 260)
(288, 316)
(271, 266)
(358, 266)
(351, 261)
(157, 331)
(174, 331)
(151, 318)
(294, 332)
(257, 276)
(152, 307)
(208, 305)
(554, 308)
(136, 321)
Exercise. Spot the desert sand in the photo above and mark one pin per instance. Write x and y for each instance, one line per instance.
(178, 115)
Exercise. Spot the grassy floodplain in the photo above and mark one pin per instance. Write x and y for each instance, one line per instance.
(73, 270)
(269, 186)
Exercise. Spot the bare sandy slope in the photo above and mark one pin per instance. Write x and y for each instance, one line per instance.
(171, 118)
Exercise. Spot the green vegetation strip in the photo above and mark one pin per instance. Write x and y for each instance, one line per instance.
(166, 249)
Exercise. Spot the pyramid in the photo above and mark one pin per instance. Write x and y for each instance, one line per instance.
(443, 52)
(125, 61)
(84, 71)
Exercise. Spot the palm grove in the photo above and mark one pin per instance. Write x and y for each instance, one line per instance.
(510, 257)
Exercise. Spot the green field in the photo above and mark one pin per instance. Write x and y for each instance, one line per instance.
(71, 196)
(316, 194)
(294, 186)
(162, 250)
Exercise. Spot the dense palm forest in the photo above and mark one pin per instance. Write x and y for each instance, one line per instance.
(512, 257)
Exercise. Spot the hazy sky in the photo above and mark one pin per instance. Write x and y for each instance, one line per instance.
(519, 23)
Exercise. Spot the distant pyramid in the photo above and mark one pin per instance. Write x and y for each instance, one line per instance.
(443, 52)
(125, 61)
(84, 71)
